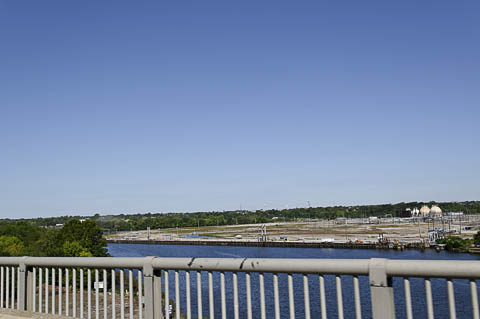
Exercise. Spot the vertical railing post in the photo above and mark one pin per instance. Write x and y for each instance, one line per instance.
(152, 298)
(30, 290)
(381, 290)
(24, 287)
(157, 295)
(148, 287)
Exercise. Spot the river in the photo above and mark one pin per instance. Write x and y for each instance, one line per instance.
(462, 294)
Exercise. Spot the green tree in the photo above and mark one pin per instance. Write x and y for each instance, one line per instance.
(49, 245)
(87, 233)
(453, 242)
(27, 232)
(74, 249)
(476, 238)
(11, 246)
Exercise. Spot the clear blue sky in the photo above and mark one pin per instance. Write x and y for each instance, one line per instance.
(137, 106)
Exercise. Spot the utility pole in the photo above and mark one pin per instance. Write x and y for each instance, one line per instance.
(419, 231)
(460, 221)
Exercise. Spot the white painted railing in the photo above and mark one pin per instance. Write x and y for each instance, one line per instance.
(154, 287)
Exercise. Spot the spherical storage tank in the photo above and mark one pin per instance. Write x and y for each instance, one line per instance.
(435, 211)
(424, 211)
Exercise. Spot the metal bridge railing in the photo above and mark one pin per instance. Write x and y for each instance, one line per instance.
(154, 287)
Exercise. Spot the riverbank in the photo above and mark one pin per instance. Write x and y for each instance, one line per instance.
(286, 244)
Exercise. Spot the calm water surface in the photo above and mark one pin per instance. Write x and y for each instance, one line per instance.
(462, 292)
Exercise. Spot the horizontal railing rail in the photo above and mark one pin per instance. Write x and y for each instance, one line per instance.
(155, 287)
(412, 268)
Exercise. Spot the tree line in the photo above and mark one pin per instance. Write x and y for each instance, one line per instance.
(74, 239)
(125, 222)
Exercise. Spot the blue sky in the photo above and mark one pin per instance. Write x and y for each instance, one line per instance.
(121, 106)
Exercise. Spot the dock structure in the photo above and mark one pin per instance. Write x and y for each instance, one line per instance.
(252, 243)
